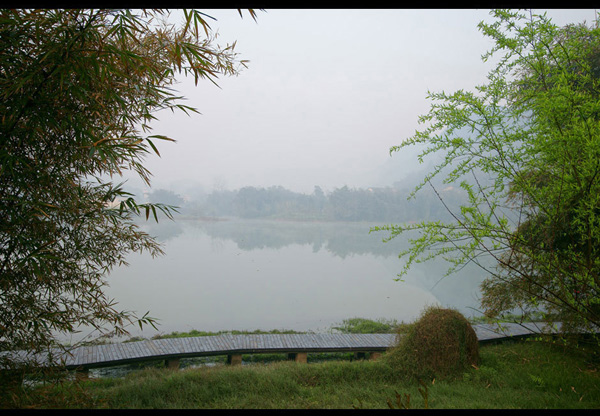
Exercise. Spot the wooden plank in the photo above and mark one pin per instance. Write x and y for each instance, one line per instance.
(190, 347)
(229, 341)
(312, 341)
(114, 352)
(89, 351)
(164, 346)
(179, 345)
(105, 350)
(335, 339)
(148, 348)
(284, 341)
(76, 356)
(89, 358)
(218, 343)
(109, 352)
(81, 356)
(278, 341)
(90, 355)
(135, 349)
(144, 349)
(119, 352)
(127, 350)
(152, 348)
(364, 341)
(328, 340)
(305, 342)
(100, 354)
(160, 345)
(274, 341)
(299, 341)
(95, 354)
(171, 346)
(208, 343)
(203, 344)
(256, 341)
(250, 342)
(101, 350)
(185, 345)
(239, 342)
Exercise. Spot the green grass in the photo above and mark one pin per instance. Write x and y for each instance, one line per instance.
(196, 333)
(367, 326)
(515, 374)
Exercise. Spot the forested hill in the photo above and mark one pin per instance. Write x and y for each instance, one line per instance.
(342, 204)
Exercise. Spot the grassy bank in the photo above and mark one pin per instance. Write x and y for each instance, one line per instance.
(514, 374)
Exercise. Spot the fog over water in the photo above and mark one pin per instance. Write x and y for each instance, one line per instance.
(325, 96)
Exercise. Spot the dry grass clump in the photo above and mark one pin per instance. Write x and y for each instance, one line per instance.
(442, 343)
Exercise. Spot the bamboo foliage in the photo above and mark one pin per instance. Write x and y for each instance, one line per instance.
(78, 91)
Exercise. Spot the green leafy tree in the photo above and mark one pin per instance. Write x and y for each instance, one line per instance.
(526, 149)
(78, 90)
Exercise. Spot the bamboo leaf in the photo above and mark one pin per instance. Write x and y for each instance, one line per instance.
(153, 146)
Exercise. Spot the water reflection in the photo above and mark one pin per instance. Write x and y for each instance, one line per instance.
(341, 239)
(251, 275)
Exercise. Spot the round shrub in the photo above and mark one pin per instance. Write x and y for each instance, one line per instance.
(442, 343)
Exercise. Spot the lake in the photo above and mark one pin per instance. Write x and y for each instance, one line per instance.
(247, 275)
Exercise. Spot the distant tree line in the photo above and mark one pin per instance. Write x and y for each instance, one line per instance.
(342, 204)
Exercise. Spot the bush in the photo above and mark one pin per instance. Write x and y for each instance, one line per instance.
(442, 343)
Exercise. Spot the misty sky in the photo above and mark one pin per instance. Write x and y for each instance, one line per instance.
(326, 94)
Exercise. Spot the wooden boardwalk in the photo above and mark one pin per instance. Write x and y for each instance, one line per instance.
(296, 345)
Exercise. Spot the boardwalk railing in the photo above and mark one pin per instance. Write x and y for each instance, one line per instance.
(297, 346)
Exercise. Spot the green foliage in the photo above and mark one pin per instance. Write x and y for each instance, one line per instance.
(367, 326)
(196, 333)
(441, 343)
(533, 316)
(78, 90)
(525, 148)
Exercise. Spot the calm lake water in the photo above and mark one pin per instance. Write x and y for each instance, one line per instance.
(247, 275)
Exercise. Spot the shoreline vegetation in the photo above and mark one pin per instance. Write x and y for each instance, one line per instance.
(354, 325)
(370, 204)
(531, 373)
(347, 326)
